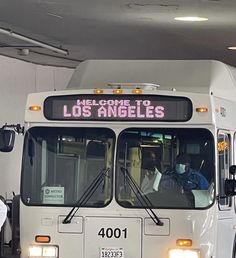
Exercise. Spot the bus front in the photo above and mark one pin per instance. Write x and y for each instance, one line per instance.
(85, 161)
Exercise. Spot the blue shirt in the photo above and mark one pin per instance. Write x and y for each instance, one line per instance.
(191, 180)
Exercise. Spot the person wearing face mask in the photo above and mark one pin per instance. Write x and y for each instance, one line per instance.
(152, 175)
(184, 177)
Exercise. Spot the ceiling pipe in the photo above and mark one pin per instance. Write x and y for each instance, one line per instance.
(33, 41)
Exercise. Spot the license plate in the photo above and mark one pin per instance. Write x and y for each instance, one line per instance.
(112, 252)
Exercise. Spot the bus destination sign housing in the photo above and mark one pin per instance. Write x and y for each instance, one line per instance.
(118, 108)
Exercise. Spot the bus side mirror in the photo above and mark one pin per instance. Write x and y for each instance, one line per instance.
(230, 184)
(230, 187)
(7, 139)
(232, 170)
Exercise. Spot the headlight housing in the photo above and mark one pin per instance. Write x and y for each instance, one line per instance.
(43, 251)
(184, 253)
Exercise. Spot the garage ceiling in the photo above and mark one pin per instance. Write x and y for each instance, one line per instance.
(118, 29)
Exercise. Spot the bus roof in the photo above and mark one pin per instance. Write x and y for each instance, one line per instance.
(200, 76)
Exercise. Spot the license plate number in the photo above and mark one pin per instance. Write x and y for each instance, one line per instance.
(112, 252)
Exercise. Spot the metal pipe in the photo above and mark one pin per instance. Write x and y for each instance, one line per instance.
(33, 41)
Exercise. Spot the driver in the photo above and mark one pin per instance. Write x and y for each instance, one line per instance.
(183, 177)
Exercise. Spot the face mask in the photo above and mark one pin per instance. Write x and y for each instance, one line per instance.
(180, 168)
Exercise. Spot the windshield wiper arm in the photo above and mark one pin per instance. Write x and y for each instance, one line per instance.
(86, 195)
(143, 199)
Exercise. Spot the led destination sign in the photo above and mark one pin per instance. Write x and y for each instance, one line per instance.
(118, 107)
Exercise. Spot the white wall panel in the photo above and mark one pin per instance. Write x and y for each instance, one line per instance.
(17, 79)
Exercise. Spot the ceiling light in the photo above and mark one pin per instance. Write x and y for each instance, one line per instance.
(23, 52)
(191, 18)
(232, 48)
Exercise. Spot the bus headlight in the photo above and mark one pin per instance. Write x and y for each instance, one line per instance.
(184, 253)
(43, 251)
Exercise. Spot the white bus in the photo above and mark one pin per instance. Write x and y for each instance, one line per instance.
(85, 157)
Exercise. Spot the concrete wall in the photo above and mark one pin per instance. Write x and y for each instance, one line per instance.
(17, 79)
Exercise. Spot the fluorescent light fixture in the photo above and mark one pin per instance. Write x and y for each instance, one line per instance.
(232, 48)
(33, 41)
(191, 18)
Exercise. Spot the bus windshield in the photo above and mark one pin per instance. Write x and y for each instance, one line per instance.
(59, 165)
(158, 168)
(165, 168)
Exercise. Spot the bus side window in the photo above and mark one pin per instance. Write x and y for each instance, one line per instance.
(223, 147)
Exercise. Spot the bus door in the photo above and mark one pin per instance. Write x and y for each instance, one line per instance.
(225, 204)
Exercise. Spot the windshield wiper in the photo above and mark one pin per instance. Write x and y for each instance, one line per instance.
(143, 199)
(87, 194)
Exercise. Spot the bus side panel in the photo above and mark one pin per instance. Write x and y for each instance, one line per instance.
(225, 234)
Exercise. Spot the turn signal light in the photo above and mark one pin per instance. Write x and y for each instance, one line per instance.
(117, 91)
(98, 91)
(42, 239)
(201, 109)
(184, 242)
(35, 108)
(137, 91)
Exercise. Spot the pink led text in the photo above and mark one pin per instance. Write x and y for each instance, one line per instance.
(113, 108)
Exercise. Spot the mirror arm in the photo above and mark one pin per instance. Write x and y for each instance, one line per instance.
(17, 128)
